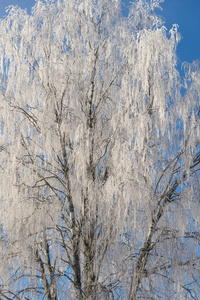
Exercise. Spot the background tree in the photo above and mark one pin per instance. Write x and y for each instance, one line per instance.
(99, 155)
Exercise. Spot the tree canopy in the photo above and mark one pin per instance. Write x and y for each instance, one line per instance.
(100, 156)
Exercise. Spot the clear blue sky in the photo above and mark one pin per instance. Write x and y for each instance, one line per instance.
(185, 13)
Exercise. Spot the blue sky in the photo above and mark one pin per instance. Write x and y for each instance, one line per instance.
(185, 13)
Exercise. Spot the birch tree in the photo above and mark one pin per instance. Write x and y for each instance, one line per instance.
(99, 155)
